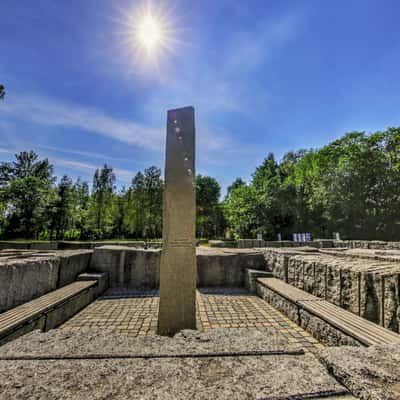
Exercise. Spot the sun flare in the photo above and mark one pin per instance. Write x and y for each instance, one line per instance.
(149, 35)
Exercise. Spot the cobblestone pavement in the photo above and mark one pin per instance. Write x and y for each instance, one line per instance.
(135, 313)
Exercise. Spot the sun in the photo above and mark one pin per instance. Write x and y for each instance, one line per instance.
(150, 33)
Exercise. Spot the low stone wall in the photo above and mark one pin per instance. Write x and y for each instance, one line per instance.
(321, 243)
(367, 244)
(24, 280)
(66, 245)
(255, 243)
(134, 268)
(226, 268)
(72, 263)
(231, 244)
(367, 285)
(27, 275)
(140, 269)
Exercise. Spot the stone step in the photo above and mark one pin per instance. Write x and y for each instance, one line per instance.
(250, 278)
(328, 323)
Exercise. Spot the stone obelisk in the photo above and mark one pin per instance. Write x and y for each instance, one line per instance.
(177, 308)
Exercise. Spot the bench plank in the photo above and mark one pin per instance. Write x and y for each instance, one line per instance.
(35, 308)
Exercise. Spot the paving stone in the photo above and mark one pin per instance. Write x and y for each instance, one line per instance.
(134, 313)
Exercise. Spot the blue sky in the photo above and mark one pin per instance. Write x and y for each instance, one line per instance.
(262, 75)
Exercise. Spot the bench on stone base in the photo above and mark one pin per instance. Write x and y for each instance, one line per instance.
(328, 323)
(52, 309)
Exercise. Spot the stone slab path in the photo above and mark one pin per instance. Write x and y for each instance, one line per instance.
(134, 313)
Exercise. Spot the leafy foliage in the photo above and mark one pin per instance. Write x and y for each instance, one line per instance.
(24, 189)
(351, 186)
(209, 213)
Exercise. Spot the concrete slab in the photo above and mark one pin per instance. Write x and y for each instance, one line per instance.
(216, 377)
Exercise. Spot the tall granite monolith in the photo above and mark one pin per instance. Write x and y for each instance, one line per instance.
(177, 308)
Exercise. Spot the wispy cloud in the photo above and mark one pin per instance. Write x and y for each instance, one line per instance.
(53, 112)
(83, 168)
(122, 175)
(86, 154)
(6, 151)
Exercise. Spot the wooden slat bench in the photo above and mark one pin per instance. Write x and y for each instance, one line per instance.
(328, 323)
(42, 313)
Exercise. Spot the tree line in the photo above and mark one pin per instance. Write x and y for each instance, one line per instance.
(33, 205)
(350, 186)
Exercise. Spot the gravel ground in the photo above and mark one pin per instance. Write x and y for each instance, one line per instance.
(370, 373)
(94, 342)
(254, 377)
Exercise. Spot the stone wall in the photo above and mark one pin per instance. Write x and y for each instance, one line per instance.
(255, 243)
(72, 263)
(134, 268)
(226, 268)
(321, 243)
(365, 284)
(66, 245)
(367, 244)
(27, 275)
(140, 269)
(232, 244)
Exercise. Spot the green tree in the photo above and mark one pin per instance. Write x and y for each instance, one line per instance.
(134, 216)
(102, 201)
(238, 182)
(2, 91)
(119, 214)
(143, 215)
(24, 188)
(208, 192)
(240, 210)
(80, 222)
(62, 208)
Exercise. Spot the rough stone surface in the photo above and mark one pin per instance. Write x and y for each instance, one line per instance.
(141, 269)
(251, 276)
(365, 244)
(298, 311)
(370, 373)
(76, 245)
(107, 341)
(72, 263)
(363, 281)
(288, 308)
(218, 378)
(22, 280)
(223, 243)
(323, 331)
(25, 275)
(226, 267)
